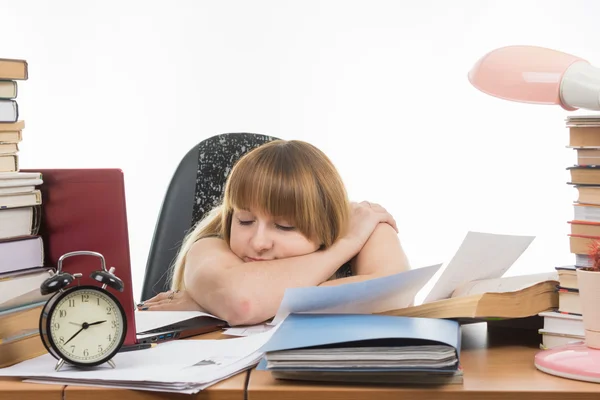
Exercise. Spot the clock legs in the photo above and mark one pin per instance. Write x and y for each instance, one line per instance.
(59, 364)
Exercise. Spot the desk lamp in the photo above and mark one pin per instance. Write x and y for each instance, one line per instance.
(538, 75)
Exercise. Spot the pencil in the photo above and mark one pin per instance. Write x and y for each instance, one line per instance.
(141, 346)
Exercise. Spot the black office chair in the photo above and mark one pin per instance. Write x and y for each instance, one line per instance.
(195, 189)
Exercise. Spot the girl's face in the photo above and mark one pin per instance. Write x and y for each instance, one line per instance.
(259, 237)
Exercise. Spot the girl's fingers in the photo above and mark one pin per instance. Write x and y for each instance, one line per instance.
(157, 299)
(387, 218)
(159, 305)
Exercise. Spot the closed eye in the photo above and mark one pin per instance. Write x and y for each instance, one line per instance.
(285, 228)
(241, 222)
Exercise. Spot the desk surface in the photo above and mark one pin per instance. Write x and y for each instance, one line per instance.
(497, 365)
(13, 388)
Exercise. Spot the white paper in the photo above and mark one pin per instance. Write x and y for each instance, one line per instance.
(149, 320)
(502, 285)
(176, 366)
(480, 256)
(366, 297)
(247, 330)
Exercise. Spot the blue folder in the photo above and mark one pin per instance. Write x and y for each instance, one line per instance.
(309, 330)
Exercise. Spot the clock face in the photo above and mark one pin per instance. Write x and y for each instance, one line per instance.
(86, 325)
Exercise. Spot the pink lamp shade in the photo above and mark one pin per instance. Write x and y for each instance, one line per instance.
(532, 74)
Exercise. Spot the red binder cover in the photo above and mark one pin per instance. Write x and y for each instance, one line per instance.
(85, 209)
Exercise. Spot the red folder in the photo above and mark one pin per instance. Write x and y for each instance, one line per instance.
(85, 209)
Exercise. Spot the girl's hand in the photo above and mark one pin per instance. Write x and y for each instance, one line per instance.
(170, 301)
(364, 218)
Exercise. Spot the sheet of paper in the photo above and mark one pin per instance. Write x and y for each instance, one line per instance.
(480, 256)
(149, 320)
(366, 297)
(185, 366)
(247, 330)
(500, 285)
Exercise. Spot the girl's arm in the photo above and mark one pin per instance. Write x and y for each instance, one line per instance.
(249, 293)
(382, 255)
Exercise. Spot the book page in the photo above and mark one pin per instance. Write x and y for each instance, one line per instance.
(366, 297)
(480, 256)
(501, 285)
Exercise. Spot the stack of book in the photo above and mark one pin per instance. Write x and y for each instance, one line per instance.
(564, 325)
(21, 249)
(584, 138)
(10, 72)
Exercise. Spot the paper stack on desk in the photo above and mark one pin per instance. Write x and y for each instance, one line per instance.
(181, 366)
(365, 348)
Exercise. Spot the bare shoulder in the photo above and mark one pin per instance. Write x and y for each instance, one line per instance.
(209, 261)
(382, 254)
(211, 252)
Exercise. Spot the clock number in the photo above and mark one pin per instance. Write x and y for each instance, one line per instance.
(56, 325)
(71, 302)
(62, 313)
(113, 324)
(109, 311)
(85, 298)
(99, 349)
(61, 339)
(86, 353)
(72, 349)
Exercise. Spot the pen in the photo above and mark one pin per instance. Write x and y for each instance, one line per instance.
(141, 346)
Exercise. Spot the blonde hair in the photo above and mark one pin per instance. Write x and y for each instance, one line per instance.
(292, 179)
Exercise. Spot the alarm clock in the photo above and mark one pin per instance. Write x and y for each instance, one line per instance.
(82, 325)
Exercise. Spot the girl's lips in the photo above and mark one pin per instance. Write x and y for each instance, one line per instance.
(255, 259)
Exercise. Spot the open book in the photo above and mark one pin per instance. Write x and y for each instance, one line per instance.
(470, 285)
(510, 297)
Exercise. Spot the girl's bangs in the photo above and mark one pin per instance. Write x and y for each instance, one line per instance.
(273, 191)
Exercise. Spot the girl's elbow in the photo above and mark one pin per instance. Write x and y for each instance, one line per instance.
(239, 311)
(244, 311)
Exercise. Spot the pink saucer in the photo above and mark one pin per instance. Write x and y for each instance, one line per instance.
(572, 361)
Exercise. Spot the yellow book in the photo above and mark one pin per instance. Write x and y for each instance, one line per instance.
(12, 69)
(509, 297)
(14, 352)
(26, 317)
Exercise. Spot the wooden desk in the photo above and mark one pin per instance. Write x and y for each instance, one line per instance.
(13, 388)
(498, 364)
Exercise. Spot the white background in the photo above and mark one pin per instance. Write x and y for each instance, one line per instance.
(380, 86)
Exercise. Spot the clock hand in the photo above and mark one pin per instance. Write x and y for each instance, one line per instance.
(76, 333)
(85, 325)
(96, 323)
(74, 323)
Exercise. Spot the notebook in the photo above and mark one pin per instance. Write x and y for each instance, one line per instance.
(364, 348)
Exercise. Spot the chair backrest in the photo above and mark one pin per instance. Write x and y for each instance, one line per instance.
(195, 188)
